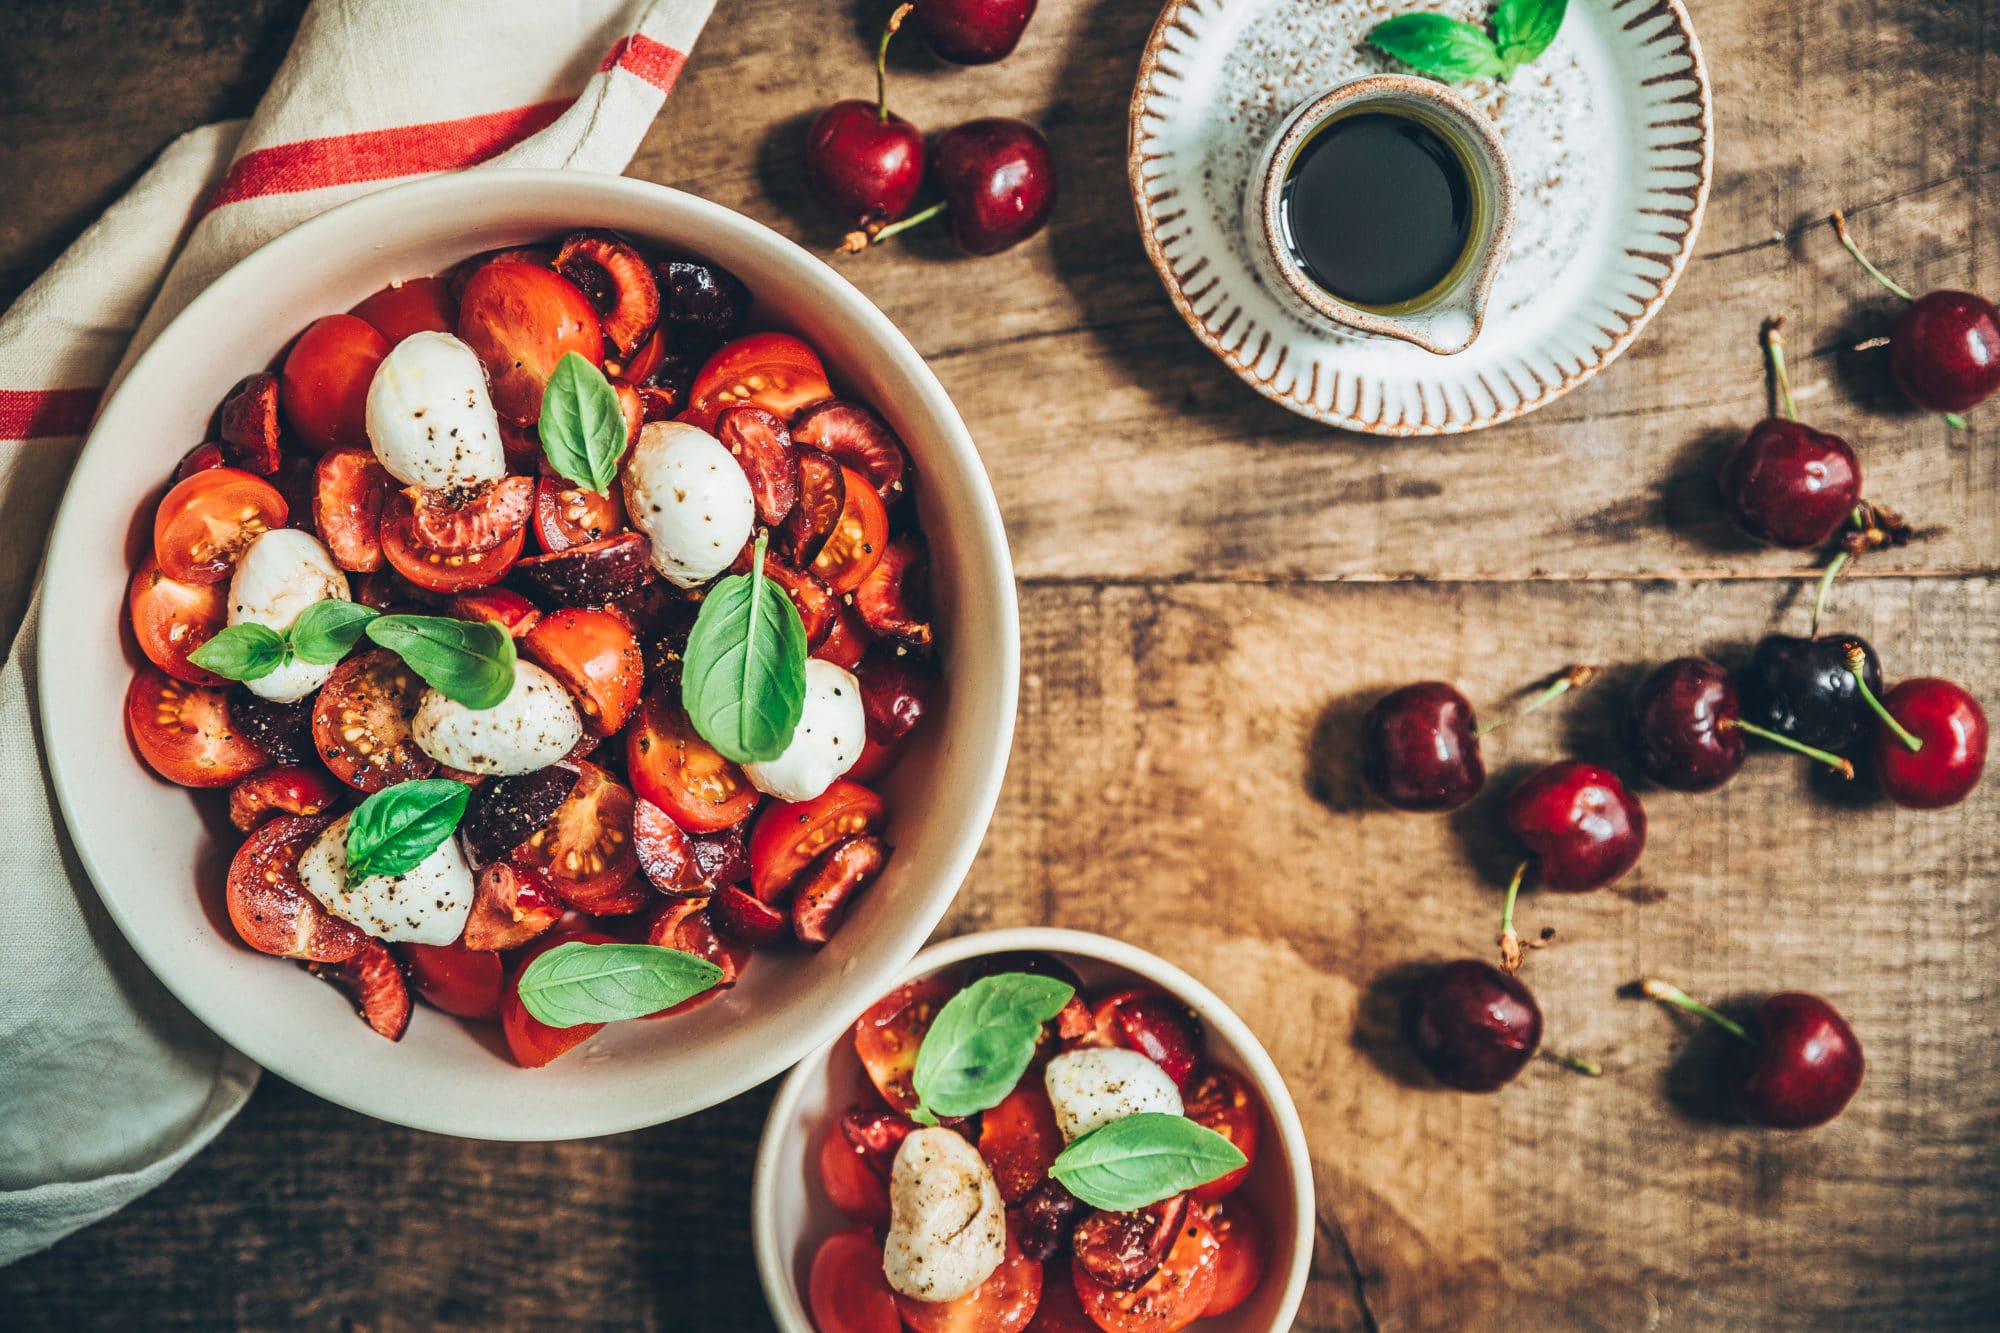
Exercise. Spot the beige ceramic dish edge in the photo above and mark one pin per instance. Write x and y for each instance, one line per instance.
(1219, 323)
(159, 865)
(789, 1215)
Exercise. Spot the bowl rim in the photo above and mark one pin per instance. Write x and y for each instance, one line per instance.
(773, 1260)
(60, 703)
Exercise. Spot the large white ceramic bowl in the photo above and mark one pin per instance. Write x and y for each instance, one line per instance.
(790, 1214)
(158, 856)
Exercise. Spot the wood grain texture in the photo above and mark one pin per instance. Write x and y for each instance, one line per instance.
(1214, 590)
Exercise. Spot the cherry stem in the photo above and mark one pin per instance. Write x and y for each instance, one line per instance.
(1840, 229)
(1832, 572)
(1832, 761)
(1572, 678)
(1774, 351)
(1510, 943)
(1954, 420)
(875, 234)
(1668, 993)
(1574, 1063)
(882, 62)
(1855, 663)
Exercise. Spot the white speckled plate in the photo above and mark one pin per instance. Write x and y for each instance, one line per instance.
(1611, 137)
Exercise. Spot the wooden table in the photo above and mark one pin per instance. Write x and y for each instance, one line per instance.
(1212, 590)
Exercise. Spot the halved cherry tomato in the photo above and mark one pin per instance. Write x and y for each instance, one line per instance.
(417, 305)
(184, 733)
(823, 895)
(1172, 1298)
(1060, 1311)
(439, 571)
(1019, 1139)
(1223, 1103)
(1154, 1024)
(171, 619)
(774, 371)
(789, 837)
(1122, 1250)
(822, 496)
(324, 385)
(455, 979)
(850, 1183)
(471, 520)
(666, 853)
(887, 1036)
(361, 722)
(503, 606)
(271, 909)
(533, 1042)
(521, 320)
(858, 539)
(374, 980)
(208, 520)
(349, 488)
(642, 363)
(847, 1290)
(1003, 1303)
(846, 641)
(585, 850)
(567, 515)
(686, 926)
(1244, 1252)
(674, 768)
(763, 448)
(292, 789)
(596, 657)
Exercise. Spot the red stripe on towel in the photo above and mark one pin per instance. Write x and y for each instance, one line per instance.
(40, 414)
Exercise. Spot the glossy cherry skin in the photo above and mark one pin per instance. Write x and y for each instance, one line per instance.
(1805, 1066)
(1803, 688)
(1472, 1025)
(999, 178)
(1944, 351)
(1420, 748)
(861, 167)
(1951, 726)
(1582, 824)
(1682, 725)
(1789, 485)
(972, 32)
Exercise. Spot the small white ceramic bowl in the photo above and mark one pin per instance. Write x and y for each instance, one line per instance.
(159, 865)
(790, 1214)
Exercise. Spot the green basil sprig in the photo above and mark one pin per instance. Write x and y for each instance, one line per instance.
(981, 1041)
(394, 830)
(582, 427)
(577, 983)
(322, 634)
(1143, 1159)
(471, 661)
(743, 676)
(1449, 49)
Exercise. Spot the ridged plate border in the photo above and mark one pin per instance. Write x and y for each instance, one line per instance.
(1287, 364)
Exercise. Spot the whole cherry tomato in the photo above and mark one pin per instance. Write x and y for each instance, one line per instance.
(521, 320)
(323, 387)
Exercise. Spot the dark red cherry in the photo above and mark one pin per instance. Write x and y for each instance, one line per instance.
(1787, 484)
(1683, 725)
(972, 32)
(1582, 825)
(998, 179)
(1798, 1063)
(1472, 1025)
(1804, 689)
(1944, 349)
(1950, 730)
(1420, 748)
(861, 165)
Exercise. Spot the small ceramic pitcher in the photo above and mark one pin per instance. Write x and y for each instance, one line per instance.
(1444, 320)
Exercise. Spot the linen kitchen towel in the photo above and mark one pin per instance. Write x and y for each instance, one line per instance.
(107, 1085)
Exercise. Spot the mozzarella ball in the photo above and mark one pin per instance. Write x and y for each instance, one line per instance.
(426, 904)
(831, 731)
(430, 418)
(688, 494)
(284, 572)
(947, 1221)
(1097, 1085)
(535, 725)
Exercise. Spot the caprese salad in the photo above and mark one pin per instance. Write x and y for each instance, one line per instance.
(1020, 1157)
(548, 632)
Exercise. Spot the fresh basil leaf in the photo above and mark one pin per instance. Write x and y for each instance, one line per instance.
(582, 427)
(743, 676)
(980, 1043)
(577, 983)
(242, 652)
(470, 661)
(326, 631)
(1441, 47)
(1143, 1159)
(395, 829)
(1523, 29)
